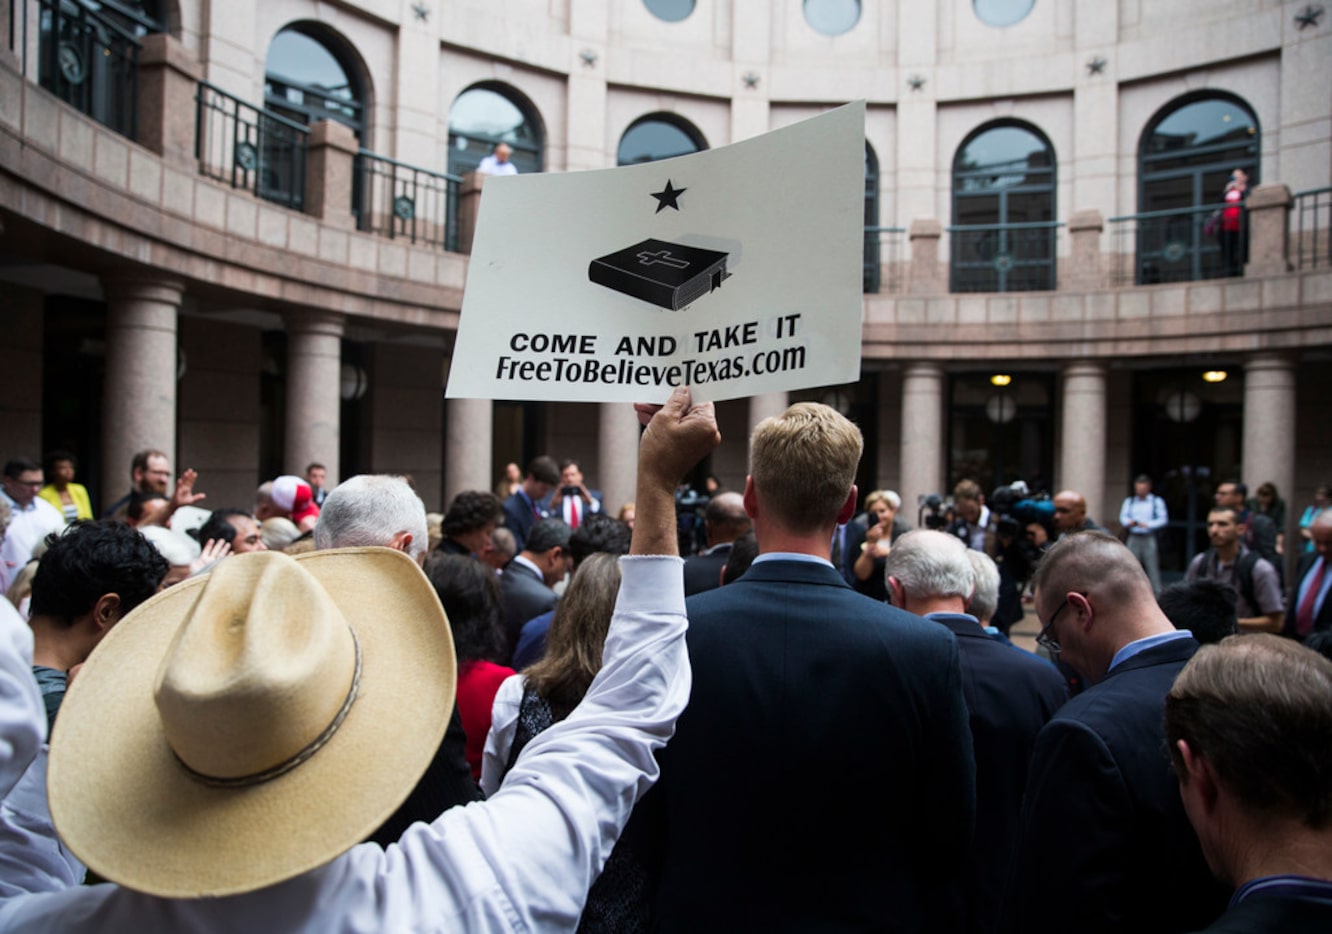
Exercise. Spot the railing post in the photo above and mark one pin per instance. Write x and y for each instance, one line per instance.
(331, 158)
(469, 208)
(925, 276)
(1269, 231)
(168, 78)
(1084, 229)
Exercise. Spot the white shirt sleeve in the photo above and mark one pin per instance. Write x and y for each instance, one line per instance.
(22, 712)
(521, 861)
(503, 726)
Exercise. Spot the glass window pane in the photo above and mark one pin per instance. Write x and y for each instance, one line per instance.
(480, 119)
(650, 140)
(1003, 157)
(1002, 12)
(672, 11)
(1203, 123)
(832, 17)
(299, 59)
(487, 113)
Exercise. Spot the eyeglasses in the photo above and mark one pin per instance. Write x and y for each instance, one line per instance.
(1043, 637)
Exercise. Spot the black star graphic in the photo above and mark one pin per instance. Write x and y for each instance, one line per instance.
(669, 198)
(1309, 16)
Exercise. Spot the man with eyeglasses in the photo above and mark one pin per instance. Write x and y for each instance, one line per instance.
(33, 518)
(1105, 844)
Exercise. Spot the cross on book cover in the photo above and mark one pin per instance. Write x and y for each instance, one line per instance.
(670, 275)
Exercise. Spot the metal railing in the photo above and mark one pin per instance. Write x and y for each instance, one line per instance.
(395, 199)
(883, 259)
(1313, 228)
(90, 61)
(1179, 245)
(249, 147)
(1002, 257)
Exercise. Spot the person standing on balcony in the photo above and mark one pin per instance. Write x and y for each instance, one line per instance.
(1232, 245)
(497, 163)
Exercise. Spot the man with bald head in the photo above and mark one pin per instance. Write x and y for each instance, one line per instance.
(1102, 826)
(724, 520)
(1070, 513)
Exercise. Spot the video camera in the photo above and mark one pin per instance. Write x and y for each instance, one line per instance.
(1015, 508)
(930, 512)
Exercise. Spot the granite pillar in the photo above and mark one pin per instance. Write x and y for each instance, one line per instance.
(139, 398)
(314, 383)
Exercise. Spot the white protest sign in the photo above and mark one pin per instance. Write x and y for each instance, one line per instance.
(736, 271)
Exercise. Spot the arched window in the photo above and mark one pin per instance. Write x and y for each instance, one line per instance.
(1185, 159)
(311, 75)
(873, 251)
(484, 116)
(1003, 234)
(88, 55)
(658, 136)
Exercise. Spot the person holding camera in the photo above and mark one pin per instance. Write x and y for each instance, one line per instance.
(572, 501)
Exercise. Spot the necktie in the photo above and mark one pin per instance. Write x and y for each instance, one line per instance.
(1304, 616)
(573, 513)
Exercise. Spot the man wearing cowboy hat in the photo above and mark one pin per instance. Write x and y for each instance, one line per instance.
(241, 731)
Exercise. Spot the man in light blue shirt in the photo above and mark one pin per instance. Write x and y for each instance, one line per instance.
(1142, 516)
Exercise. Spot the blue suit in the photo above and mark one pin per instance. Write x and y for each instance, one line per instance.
(1106, 845)
(821, 777)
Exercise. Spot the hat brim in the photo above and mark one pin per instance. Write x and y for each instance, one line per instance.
(126, 807)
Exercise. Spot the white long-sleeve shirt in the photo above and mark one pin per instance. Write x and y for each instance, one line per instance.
(521, 861)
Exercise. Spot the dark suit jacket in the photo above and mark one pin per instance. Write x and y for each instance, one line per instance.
(1323, 618)
(703, 572)
(447, 782)
(519, 518)
(1265, 912)
(821, 777)
(1105, 844)
(525, 595)
(1011, 695)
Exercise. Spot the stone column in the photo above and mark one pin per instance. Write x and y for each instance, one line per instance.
(1084, 272)
(922, 470)
(329, 164)
(314, 384)
(1269, 426)
(467, 445)
(1269, 232)
(139, 395)
(764, 405)
(1082, 436)
(168, 81)
(924, 274)
(617, 462)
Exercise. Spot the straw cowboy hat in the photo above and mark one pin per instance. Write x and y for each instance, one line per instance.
(246, 726)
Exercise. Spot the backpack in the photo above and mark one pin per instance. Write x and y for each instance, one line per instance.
(1243, 575)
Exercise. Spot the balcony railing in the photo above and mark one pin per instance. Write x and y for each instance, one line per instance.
(883, 259)
(399, 200)
(1313, 228)
(1002, 257)
(1181, 245)
(248, 147)
(89, 59)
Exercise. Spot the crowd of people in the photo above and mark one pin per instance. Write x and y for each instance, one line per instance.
(332, 711)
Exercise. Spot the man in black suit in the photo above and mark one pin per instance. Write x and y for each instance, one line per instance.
(524, 508)
(1249, 725)
(1309, 609)
(527, 582)
(822, 776)
(1010, 693)
(724, 520)
(1105, 845)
